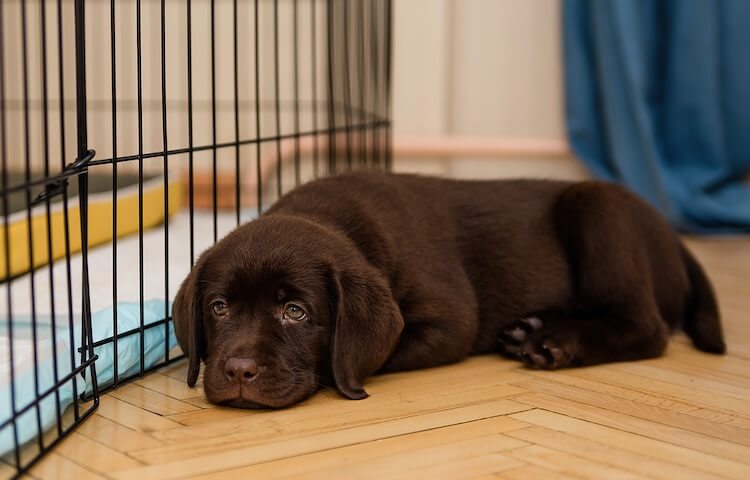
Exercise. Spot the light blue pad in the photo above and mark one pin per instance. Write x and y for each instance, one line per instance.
(25, 380)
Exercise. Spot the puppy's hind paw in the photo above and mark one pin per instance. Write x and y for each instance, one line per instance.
(512, 340)
(545, 355)
(546, 344)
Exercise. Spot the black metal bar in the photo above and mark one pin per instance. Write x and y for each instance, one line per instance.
(84, 152)
(347, 89)
(66, 216)
(375, 62)
(191, 177)
(377, 95)
(314, 77)
(388, 79)
(237, 177)
(41, 181)
(81, 111)
(380, 53)
(29, 228)
(295, 21)
(177, 151)
(362, 88)
(112, 29)
(132, 331)
(372, 77)
(258, 169)
(277, 100)
(331, 90)
(165, 143)
(6, 238)
(45, 127)
(213, 119)
(139, 72)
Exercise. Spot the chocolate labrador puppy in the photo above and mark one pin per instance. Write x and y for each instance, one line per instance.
(348, 276)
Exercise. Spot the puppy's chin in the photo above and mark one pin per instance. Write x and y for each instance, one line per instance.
(250, 398)
(239, 402)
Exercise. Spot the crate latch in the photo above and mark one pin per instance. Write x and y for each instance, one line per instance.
(57, 187)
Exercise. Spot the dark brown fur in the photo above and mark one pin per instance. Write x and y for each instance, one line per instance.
(403, 272)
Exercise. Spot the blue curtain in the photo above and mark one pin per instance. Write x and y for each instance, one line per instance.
(658, 99)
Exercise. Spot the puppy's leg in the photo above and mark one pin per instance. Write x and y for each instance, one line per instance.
(610, 240)
(552, 340)
(441, 322)
(424, 345)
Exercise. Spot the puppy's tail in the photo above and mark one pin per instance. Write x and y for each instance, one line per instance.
(702, 323)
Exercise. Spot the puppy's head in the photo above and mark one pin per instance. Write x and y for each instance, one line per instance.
(280, 305)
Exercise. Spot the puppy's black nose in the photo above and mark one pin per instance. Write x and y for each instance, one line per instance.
(240, 370)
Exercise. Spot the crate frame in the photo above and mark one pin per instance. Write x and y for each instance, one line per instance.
(355, 136)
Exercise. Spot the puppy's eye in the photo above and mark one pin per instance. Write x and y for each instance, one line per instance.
(220, 308)
(294, 313)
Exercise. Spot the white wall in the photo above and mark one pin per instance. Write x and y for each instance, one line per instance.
(480, 67)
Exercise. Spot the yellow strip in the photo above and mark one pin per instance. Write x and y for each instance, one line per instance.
(100, 227)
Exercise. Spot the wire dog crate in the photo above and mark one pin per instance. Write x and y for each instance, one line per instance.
(133, 135)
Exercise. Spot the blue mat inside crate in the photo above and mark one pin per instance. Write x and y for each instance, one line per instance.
(26, 380)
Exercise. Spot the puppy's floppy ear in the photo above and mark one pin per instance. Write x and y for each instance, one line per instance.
(188, 323)
(367, 326)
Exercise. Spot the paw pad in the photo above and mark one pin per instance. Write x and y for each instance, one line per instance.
(528, 341)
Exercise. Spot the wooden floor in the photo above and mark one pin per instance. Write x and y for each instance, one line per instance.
(686, 415)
